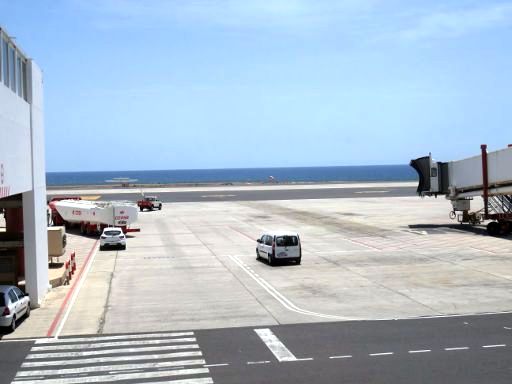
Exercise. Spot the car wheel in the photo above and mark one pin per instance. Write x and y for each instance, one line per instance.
(141, 209)
(102, 247)
(123, 247)
(271, 260)
(160, 207)
(298, 261)
(257, 254)
(12, 327)
(27, 314)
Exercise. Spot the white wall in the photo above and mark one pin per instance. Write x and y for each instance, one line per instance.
(34, 201)
(15, 147)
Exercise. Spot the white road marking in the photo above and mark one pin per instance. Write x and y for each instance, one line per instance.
(494, 346)
(258, 362)
(340, 357)
(371, 192)
(83, 276)
(204, 380)
(112, 351)
(216, 365)
(117, 337)
(19, 340)
(420, 351)
(108, 368)
(113, 344)
(382, 354)
(111, 359)
(278, 296)
(275, 345)
(424, 233)
(218, 196)
(456, 349)
(117, 377)
(507, 328)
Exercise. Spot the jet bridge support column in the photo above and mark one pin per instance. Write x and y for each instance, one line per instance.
(485, 177)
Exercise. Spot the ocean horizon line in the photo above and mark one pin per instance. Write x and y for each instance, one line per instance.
(238, 175)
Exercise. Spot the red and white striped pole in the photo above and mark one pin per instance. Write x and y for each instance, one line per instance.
(68, 270)
(66, 266)
(73, 263)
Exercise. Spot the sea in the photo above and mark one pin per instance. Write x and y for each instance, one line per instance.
(239, 175)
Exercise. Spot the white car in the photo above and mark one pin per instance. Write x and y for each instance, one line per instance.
(14, 304)
(282, 245)
(112, 237)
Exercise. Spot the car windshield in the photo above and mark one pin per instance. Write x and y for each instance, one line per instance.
(287, 241)
(112, 233)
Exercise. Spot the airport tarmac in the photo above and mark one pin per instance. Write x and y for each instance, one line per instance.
(188, 301)
(246, 193)
(364, 258)
(193, 266)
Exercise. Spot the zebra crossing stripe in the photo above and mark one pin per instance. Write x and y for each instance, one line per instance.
(173, 358)
(113, 344)
(109, 368)
(117, 377)
(275, 345)
(117, 337)
(111, 359)
(59, 355)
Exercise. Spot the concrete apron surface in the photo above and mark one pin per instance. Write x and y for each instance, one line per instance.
(193, 266)
(43, 319)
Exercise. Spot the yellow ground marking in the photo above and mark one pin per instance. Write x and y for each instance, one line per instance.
(90, 197)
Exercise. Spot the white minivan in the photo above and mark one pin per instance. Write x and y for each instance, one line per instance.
(281, 245)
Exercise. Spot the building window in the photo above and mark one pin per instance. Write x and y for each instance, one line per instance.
(19, 76)
(12, 68)
(1, 55)
(5, 61)
(24, 79)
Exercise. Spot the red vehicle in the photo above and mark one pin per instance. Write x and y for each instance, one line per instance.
(149, 202)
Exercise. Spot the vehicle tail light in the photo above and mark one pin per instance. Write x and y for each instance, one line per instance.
(6, 311)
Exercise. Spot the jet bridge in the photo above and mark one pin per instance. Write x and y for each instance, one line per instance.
(488, 175)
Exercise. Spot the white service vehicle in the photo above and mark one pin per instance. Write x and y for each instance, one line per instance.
(112, 237)
(279, 245)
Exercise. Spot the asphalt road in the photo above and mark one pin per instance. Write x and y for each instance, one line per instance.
(469, 349)
(260, 195)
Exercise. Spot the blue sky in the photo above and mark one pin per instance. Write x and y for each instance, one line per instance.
(225, 84)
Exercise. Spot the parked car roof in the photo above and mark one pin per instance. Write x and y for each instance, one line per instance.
(281, 233)
(5, 288)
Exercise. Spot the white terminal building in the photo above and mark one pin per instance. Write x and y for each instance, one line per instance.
(23, 220)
